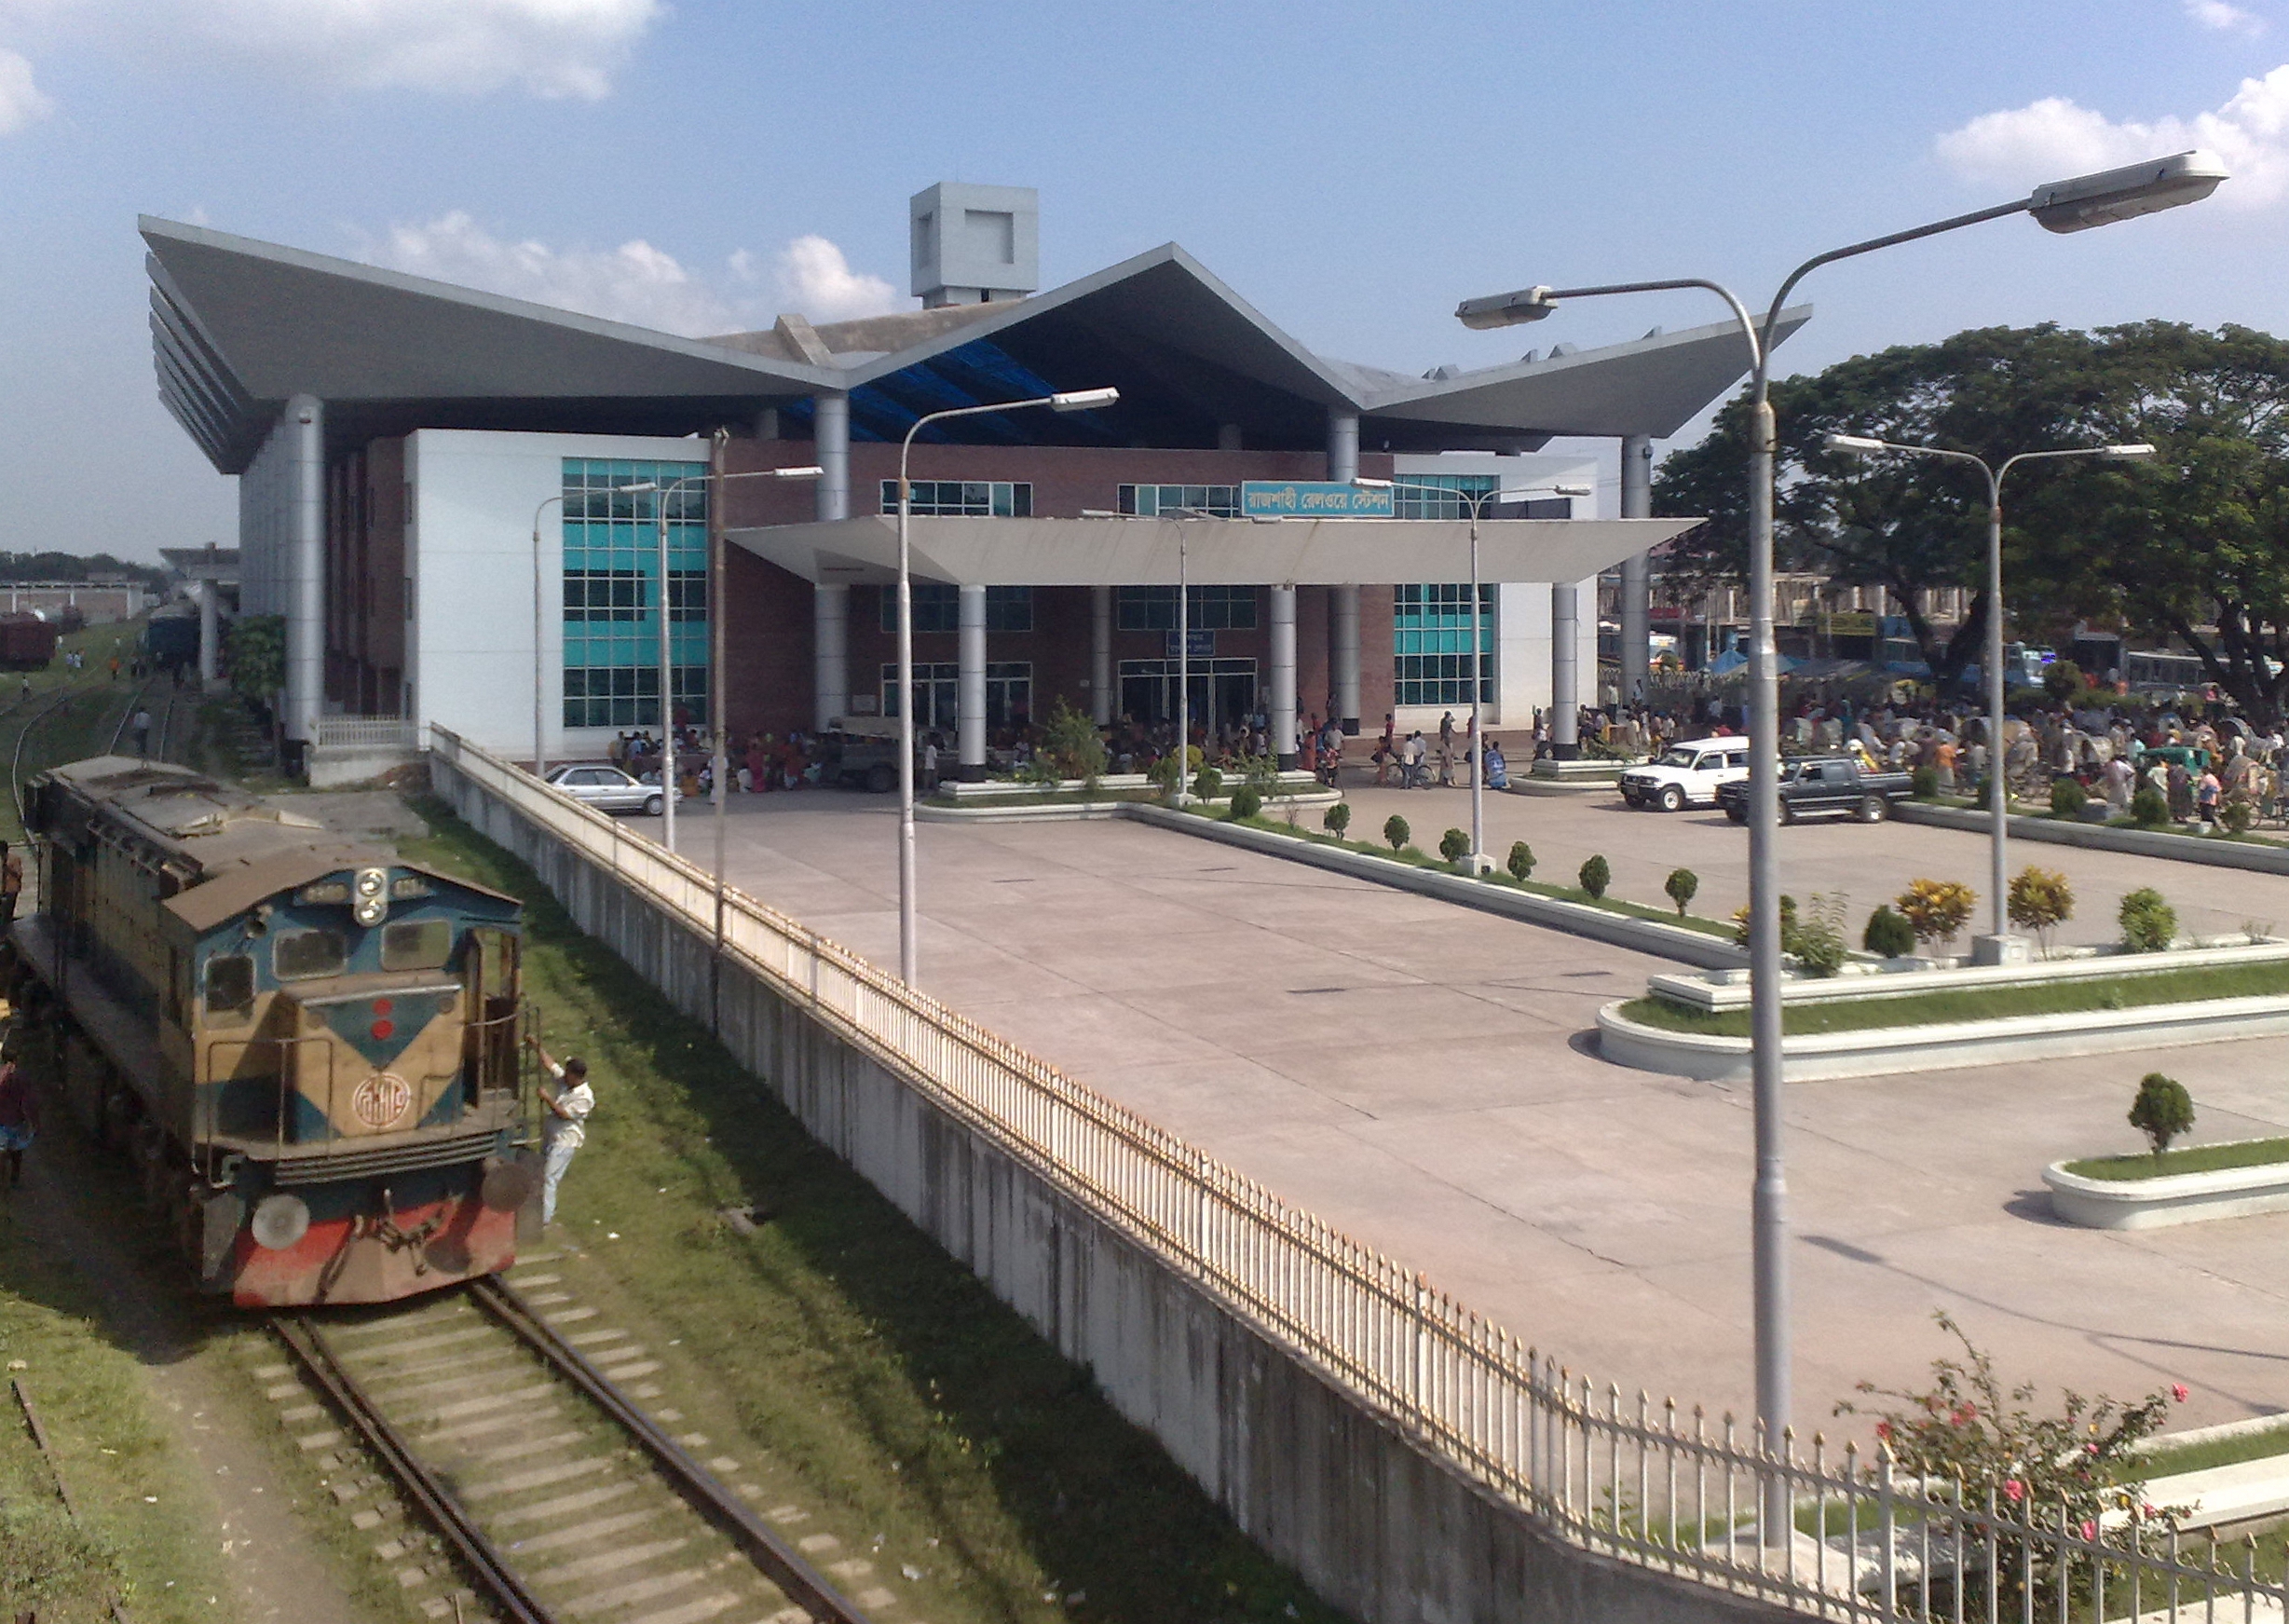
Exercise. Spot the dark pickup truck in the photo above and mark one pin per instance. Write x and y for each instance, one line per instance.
(1815, 787)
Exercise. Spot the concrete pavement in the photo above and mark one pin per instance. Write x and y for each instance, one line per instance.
(1421, 1076)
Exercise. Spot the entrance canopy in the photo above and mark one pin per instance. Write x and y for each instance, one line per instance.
(1216, 551)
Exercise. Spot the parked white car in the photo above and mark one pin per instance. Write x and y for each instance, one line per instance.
(1687, 775)
(608, 789)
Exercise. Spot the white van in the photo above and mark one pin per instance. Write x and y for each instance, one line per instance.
(1687, 775)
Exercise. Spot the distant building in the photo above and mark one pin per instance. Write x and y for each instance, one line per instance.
(398, 440)
(101, 601)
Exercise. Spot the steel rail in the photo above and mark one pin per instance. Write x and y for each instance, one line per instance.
(16, 757)
(778, 1560)
(479, 1556)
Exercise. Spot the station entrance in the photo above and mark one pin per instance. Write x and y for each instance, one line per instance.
(1223, 692)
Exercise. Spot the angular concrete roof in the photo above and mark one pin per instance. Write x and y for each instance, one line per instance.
(238, 327)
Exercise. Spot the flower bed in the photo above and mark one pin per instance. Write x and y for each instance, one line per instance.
(2228, 1181)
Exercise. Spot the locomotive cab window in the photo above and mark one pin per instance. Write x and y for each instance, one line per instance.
(417, 945)
(305, 955)
(230, 987)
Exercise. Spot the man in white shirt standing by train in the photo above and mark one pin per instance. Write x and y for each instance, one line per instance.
(567, 1129)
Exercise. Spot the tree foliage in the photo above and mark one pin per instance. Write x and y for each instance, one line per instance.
(2192, 547)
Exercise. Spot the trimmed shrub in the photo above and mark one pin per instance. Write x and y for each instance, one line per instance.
(2067, 798)
(1819, 946)
(1246, 804)
(1595, 877)
(2238, 814)
(1395, 833)
(2149, 808)
(2063, 679)
(1522, 862)
(2041, 900)
(2149, 923)
(1788, 924)
(1888, 934)
(1207, 784)
(1924, 782)
(1680, 885)
(1936, 909)
(1071, 744)
(1163, 772)
(1454, 845)
(2162, 1111)
(1336, 819)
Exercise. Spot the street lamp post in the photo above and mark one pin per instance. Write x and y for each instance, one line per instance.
(1997, 949)
(1476, 501)
(1064, 401)
(2062, 206)
(540, 757)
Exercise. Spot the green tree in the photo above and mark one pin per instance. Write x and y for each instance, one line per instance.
(2162, 1111)
(1595, 875)
(1337, 818)
(1071, 744)
(2041, 900)
(255, 647)
(1454, 845)
(1395, 833)
(1888, 934)
(2149, 923)
(1682, 885)
(1521, 861)
(1896, 522)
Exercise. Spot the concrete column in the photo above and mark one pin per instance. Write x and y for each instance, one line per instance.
(1636, 575)
(830, 623)
(831, 605)
(1343, 656)
(831, 420)
(210, 634)
(305, 427)
(1100, 655)
(1565, 669)
(1342, 444)
(969, 690)
(1344, 601)
(1283, 701)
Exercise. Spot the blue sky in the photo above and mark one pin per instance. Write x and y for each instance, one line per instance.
(1352, 169)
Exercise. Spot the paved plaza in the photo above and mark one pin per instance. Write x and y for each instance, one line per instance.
(1424, 1077)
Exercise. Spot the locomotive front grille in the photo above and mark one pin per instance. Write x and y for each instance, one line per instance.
(365, 1163)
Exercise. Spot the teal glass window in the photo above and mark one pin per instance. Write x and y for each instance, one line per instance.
(937, 607)
(1220, 501)
(1430, 631)
(964, 499)
(612, 596)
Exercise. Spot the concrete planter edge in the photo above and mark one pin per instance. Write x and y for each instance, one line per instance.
(1874, 1053)
(2172, 1199)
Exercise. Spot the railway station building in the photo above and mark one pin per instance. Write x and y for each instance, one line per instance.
(428, 495)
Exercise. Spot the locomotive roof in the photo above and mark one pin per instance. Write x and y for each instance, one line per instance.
(231, 847)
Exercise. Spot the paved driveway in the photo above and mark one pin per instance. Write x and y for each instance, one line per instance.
(1419, 1074)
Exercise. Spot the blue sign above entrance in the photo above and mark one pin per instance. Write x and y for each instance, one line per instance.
(1311, 498)
(1202, 645)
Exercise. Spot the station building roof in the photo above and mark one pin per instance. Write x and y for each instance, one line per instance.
(238, 327)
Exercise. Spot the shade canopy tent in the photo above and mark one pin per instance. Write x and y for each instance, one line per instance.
(1216, 552)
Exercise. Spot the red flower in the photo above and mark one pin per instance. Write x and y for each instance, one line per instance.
(2089, 1529)
(2014, 1491)
(2091, 1447)
(1883, 1430)
(2150, 1509)
(2177, 1391)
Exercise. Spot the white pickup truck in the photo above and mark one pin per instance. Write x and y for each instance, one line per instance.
(1687, 775)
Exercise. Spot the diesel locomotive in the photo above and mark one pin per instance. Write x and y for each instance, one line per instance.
(308, 1047)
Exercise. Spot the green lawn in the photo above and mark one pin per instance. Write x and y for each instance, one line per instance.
(2194, 1159)
(2168, 1460)
(2099, 996)
(889, 1391)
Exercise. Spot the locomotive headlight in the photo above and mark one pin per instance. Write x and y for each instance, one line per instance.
(372, 887)
(280, 1220)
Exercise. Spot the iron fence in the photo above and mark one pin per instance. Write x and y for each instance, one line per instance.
(1636, 1482)
(367, 733)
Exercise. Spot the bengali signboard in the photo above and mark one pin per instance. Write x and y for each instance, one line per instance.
(1311, 499)
(1200, 644)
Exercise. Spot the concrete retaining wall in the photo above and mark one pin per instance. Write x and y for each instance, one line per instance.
(1374, 1523)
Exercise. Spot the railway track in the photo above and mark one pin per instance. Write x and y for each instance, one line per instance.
(556, 1496)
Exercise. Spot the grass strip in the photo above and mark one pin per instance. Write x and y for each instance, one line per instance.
(2169, 1460)
(1415, 857)
(902, 1398)
(1851, 1014)
(2193, 1159)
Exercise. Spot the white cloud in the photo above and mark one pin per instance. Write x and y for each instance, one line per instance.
(815, 279)
(635, 282)
(2054, 138)
(547, 47)
(2224, 18)
(20, 102)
